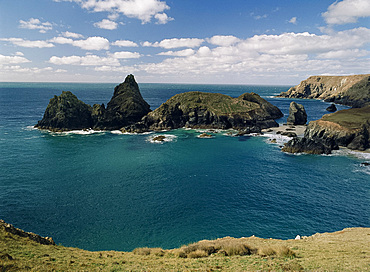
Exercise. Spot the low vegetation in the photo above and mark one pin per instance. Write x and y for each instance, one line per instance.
(346, 250)
(351, 118)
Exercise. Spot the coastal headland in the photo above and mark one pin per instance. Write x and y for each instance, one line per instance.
(345, 250)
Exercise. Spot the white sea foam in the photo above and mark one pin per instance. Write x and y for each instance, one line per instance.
(76, 132)
(167, 138)
(280, 139)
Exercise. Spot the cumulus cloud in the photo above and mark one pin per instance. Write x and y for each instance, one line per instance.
(125, 43)
(275, 55)
(162, 18)
(223, 40)
(125, 55)
(293, 20)
(89, 60)
(91, 43)
(175, 43)
(346, 11)
(72, 35)
(26, 43)
(5, 60)
(106, 24)
(34, 23)
(143, 10)
(182, 53)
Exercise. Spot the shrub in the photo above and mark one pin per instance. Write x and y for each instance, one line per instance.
(266, 251)
(142, 251)
(198, 254)
(284, 251)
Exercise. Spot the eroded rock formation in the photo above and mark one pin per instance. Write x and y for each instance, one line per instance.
(297, 114)
(347, 90)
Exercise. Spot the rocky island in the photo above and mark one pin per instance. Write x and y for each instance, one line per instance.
(352, 91)
(129, 112)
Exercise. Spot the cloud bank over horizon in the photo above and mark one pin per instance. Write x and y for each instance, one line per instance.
(282, 57)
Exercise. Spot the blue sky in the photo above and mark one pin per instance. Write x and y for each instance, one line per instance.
(183, 41)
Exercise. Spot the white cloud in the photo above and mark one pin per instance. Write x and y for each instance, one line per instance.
(5, 60)
(106, 24)
(91, 43)
(293, 20)
(276, 56)
(162, 18)
(26, 43)
(182, 53)
(89, 60)
(125, 55)
(346, 11)
(344, 54)
(223, 40)
(19, 54)
(125, 43)
(72, 35)
(176, 43)
(143, 10)
(35, 24)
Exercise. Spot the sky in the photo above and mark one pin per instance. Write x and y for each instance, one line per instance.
(268, 42)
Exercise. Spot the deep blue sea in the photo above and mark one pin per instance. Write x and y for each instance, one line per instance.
(111, 191)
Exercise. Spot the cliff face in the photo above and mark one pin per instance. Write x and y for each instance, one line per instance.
(347, 90)
(212, 110)
(349, 128)
(66, 112)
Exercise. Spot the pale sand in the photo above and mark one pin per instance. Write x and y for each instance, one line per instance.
(299, 130)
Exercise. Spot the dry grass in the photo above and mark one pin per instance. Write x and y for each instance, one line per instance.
(347, 250)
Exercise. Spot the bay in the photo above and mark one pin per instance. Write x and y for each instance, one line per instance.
(107, 191)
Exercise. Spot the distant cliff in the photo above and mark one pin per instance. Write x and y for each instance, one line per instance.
(213, 110)
(349, 128)
(347, 90)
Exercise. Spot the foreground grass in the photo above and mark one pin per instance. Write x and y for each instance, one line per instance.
(346, 250)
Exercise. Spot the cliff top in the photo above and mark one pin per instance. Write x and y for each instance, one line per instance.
(350, 118)
(346, 250)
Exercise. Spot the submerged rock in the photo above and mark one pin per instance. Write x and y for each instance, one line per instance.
(297, 114)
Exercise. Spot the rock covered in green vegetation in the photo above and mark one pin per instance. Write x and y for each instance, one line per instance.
(66, 112)
(297, 114)
(213, 110)
(349, 128)
(126, 107)
(347, 90)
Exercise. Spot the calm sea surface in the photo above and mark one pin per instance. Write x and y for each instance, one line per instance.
(109, 191)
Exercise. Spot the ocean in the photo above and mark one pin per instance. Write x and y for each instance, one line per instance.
(113, 191)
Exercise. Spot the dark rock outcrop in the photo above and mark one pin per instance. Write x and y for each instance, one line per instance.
(213, 110)
(126, 107)
(348, 128)
(32, 236)
(297, 114)
(331, 108)
(66, 112)
(347, 90)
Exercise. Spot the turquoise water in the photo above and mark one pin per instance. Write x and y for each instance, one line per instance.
(108, 191)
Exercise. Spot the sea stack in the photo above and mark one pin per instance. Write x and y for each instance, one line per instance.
(126, 107)
(297, 114)
(66, 112)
